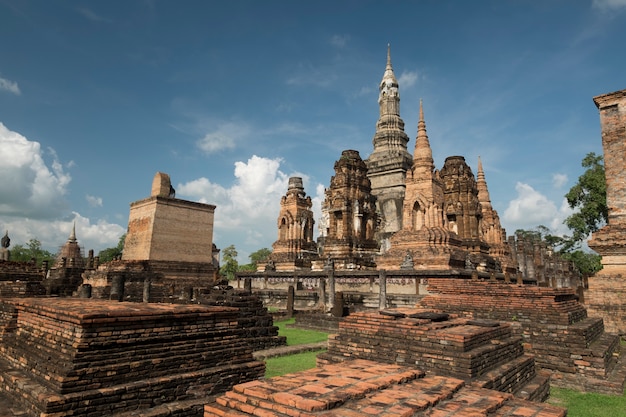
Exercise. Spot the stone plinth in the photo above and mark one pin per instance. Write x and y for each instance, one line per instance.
(63, 357)
(366, 388)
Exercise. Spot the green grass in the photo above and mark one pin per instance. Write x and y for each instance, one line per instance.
(289, 364)
(579, 404)
(297, 336)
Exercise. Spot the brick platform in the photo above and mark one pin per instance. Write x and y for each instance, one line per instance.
(76, 357)
(362, 388)
(554, 326)
(483, 352)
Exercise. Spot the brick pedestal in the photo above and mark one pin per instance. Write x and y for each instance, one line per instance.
(61, 357)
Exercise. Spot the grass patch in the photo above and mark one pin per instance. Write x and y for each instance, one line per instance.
(580, 404)
(289, 364)
(297, 336)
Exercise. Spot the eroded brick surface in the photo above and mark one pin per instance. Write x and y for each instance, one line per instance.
(365, 388)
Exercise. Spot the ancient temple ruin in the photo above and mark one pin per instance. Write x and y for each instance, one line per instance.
(295, 246)
(349, 215)
(168, 253)
(390, 160)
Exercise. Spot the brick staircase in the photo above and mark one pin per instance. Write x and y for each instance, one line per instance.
(554, 326)
(484, 353)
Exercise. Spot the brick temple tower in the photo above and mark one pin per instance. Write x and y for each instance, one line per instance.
(390, 160)
(349, 215)
(295, 246)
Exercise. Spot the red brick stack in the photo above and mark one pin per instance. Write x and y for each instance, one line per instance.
(553, 324)
(482, 351)
(361, 388)
(105, 358)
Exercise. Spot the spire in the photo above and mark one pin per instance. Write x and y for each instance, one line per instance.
(389, 78)
(423, 155)
(72, 237)
(481, 184)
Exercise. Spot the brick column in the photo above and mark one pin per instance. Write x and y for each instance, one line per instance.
(606, 295)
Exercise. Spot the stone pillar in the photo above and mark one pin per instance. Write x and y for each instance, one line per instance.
(337, 310)
(117, 288)
(146, 290)
(321, 293)
(382, 285)
(331, 288)
(247, 285)
(291, 295)
(84, 291)
(606, 295)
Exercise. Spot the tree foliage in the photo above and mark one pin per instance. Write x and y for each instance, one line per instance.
(256, 258)
(588, 198)
(109, 254)
(32, 250)
(229, 262)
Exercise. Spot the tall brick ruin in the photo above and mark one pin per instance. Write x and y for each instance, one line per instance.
(168, 252)
(606, 295)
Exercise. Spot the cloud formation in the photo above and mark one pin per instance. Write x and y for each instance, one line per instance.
(607, 5)
(247, 211)
(10, 86)
(223, 137)
(559, 180)
(30, 188)
(531, 209)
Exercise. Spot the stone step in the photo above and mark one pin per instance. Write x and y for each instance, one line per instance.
(612, 384)
(511, 376)
(37, 399)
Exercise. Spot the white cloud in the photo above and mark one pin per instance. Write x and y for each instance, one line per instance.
(247, 211)
(531, 208)
(10, 86)
(29, 187)
(407, 79)
(94, 201)
(225, 136)
(606, 5)
(559, 180)
(53, 234)
(339, 41)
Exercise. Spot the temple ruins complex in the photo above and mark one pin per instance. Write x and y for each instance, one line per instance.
(432, 308)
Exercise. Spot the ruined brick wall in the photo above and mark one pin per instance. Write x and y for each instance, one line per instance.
(169, 229)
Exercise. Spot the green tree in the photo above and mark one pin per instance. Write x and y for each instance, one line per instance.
(255, 258)
(588, 198)
(229, 262)
(32, 250)
(109, 254)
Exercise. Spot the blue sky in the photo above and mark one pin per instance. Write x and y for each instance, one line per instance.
(232, 98)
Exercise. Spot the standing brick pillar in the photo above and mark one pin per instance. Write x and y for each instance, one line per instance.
(321, 294)
(291, 295)
(117, 288)
(606, 295)
(338, 305)
(146, 290)
(331, 287)
(382, 296)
